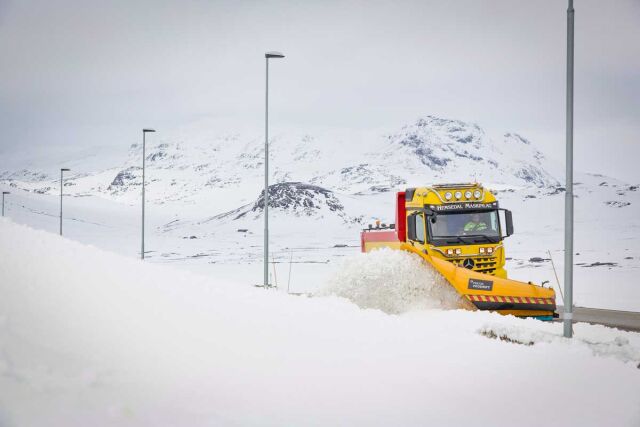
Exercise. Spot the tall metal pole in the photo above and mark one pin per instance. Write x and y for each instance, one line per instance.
(267, 56)
(61, 202)
(144, 155)
(568, 201)
(266, 176)
(144, 134)
(3, 194)
(61, 178)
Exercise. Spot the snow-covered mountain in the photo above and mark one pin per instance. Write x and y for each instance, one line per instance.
(297, 198)
(294, 199)
(429, 150)
(219, 177)
(324, 176)
(452, 149)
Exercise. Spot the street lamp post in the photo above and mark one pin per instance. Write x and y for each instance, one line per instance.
(568, 194)
(62, 170)
(3, 194)
(267, 56)
(144, 134)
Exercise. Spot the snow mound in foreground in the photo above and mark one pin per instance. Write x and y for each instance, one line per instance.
(392, 281)
(89, 338)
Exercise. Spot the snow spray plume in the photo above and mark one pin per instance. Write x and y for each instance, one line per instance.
(392, 281)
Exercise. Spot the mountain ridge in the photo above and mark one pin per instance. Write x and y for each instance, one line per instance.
(428, 150)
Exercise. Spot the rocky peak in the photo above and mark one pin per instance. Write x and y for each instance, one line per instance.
(299, 197)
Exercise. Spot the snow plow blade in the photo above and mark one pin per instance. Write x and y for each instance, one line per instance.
(488, 292)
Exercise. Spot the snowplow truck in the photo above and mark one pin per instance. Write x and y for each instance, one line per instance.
(459, 229)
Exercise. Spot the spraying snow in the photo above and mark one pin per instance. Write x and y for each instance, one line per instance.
(392, 281)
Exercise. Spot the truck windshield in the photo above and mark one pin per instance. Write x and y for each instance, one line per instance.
(465, 227)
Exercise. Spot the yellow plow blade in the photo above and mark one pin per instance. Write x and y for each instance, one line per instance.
(487, 292)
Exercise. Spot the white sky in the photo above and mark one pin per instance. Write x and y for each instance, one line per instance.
(85, 73)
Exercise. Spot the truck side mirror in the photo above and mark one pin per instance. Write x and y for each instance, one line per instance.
(509, 222)
(411, 227)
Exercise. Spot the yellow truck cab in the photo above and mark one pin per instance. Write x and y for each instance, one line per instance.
(459, 229)
(459, 223)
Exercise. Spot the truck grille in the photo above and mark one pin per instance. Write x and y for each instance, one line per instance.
(481, 265)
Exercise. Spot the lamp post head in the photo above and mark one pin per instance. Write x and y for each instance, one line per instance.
(148, 130)
(273, 55)
(5, 192)
(64, 170)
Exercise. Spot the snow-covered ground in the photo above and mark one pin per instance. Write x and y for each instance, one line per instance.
(88, 337)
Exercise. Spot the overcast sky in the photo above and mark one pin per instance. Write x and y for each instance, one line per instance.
(86, 73)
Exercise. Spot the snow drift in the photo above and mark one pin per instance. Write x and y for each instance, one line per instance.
(392, 281)
(92, 338)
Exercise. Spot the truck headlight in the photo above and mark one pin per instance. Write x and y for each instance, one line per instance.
(467, 195)
(489, 250)
(458, 251)
(449, 251)
(447, 195)
(458, 195)
(481, 250)
(477, 194)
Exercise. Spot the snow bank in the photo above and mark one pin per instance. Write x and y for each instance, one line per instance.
(606, 345)
(91, 338)
(392, 281)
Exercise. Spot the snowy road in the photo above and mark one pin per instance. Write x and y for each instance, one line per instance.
(625, 320)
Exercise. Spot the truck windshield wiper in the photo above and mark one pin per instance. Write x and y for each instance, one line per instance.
(489, 239)
(458, 238)
(461, 239)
